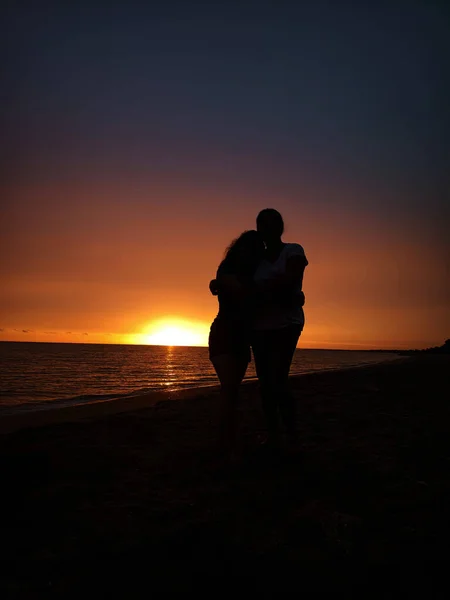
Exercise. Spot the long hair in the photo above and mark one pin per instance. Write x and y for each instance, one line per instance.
(246, 239)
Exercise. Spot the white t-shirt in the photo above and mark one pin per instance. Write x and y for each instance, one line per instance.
(276, 316)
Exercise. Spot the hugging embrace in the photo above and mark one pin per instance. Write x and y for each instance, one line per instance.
(259, 288)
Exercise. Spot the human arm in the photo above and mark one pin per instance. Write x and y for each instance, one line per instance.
(227, 283)
(214, 287)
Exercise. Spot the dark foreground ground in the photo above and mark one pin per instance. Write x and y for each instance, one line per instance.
(133, 504)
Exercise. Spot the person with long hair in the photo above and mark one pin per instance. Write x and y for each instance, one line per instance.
(278, 322)
(229, 338)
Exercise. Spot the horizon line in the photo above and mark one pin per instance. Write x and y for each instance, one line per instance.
(360, 347)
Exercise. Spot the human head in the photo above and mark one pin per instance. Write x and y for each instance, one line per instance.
(246, 250)
(270, 225)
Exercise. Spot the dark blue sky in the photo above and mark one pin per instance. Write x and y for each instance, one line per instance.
(337, 87)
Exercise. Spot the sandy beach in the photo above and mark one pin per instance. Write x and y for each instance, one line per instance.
(134, 502)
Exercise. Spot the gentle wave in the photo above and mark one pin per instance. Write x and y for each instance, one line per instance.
(37, 376)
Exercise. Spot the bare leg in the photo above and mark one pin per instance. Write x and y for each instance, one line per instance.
(273, 351)
(230, 370)
(286, 402)
(264, 352)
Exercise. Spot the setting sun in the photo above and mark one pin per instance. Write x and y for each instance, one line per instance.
(173, 332)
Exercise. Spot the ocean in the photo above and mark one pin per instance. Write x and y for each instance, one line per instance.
(42, 375)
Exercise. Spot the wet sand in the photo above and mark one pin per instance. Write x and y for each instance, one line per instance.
(135, 503)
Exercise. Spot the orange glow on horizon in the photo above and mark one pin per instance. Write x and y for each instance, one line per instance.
(177, 331)
(172, 331)
(362, 291)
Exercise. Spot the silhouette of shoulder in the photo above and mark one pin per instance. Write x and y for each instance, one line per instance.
(295, 250)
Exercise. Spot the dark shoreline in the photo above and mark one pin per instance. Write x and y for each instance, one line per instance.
(134, 503)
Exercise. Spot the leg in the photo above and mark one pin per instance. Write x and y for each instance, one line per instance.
(263, 353)
(286, 344)
(273, 351)
(230, 370)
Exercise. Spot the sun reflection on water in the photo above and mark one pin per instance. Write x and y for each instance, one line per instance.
(170, 376)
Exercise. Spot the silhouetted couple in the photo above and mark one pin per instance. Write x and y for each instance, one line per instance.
(259, 288)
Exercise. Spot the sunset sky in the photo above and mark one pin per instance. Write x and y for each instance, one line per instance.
(142, 137)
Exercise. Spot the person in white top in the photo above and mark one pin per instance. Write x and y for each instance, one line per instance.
(278, 322)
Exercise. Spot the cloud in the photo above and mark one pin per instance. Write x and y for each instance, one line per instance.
(27, 331)
(68, 333)
(2, 330)
(85, 334)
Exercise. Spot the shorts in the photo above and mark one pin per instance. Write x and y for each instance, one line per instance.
(229, 337)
